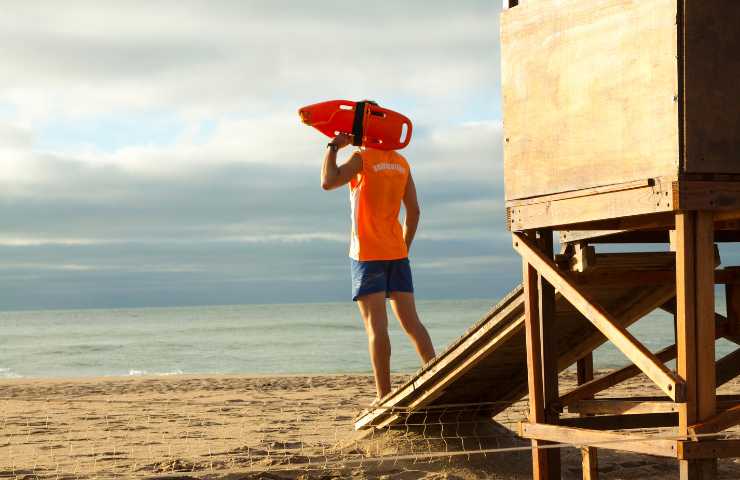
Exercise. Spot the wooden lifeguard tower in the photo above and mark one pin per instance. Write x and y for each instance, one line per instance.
(622, 125)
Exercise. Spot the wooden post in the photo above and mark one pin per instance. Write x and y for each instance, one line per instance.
(534, 366)
(589, 459)
(705, 336)
(732, 297)
(695, 329)
(549, 347)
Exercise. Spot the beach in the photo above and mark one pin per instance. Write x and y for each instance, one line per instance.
(271, 427)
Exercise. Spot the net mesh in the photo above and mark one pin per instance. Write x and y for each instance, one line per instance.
(63, 438)
(111, 431)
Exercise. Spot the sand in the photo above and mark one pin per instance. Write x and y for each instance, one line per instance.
(237, 427)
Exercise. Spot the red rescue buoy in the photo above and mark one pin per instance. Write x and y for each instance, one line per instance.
(372, 126)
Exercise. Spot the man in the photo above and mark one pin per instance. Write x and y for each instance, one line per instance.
(379, 181)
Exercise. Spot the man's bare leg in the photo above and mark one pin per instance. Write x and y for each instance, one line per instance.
(372, 309)
(404, 307)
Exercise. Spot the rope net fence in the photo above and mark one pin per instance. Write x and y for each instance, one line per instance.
(66, 438)
(271, 438)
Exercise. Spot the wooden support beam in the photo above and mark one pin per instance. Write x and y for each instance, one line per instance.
(732, 297)
(621, 406)
(726, 215)
(722, 421)
(638, 443)
(614, 236)
(706, 386)
(597, 385)
(637, 277)
(584, 257)
(589, 455)
(724, 232)
(631, 205)
(633, 405)
(633, 268)
(733, 338)
(585, 369)
(711, 449)
(540, 469)
(659, 221)
(616, 333)
(707, 195)
(633, 261)
(623, 422)
(600, 277)
(589, 463)
(705, 316)
(695, 329)
(549, 349)
(728, 367)
(686, 328)
(721, 325)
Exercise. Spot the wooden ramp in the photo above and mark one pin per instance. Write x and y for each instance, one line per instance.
(488, 363)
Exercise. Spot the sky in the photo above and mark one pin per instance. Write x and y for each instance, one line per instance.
(151, 153)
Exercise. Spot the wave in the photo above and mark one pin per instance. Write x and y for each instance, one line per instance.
(138, 373)
(8, 373)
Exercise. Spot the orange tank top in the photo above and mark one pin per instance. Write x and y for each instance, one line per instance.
(375, 199)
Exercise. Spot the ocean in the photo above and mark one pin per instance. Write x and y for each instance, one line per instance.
(241, 339)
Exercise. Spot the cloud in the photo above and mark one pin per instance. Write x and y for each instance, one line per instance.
(151, 154)
(203, 59)
(463, 264)
(221, 225)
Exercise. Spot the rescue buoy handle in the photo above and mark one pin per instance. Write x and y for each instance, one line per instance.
(358, 123)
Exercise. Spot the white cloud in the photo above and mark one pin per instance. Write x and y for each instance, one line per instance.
(270, 238)
(204, 58)
(245, 67)
(20, 241)
(212, 160)
(466, 151)
(462, 264)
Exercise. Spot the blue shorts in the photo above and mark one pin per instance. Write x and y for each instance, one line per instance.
(375, 276)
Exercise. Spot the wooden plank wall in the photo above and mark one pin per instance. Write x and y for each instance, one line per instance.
(590, 94)
(711, 71)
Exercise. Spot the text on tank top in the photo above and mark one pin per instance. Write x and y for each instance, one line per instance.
(375, 199)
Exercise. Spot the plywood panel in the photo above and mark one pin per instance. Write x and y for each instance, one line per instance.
(712, 102)
(590, 94)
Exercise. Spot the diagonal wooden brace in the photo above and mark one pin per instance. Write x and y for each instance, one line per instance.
(727, 368)
(599, 384)
(645, 360)
(722, 421)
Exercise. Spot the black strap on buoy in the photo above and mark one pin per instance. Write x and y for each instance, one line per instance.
(357, 130)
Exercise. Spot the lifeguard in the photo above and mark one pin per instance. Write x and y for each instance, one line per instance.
(379, 181)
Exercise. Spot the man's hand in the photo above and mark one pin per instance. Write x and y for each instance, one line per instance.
(411, 204)
(333, 176)
(342, 140)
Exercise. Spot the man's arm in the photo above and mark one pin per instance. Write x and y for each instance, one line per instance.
(333, 176)
(411, 204)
